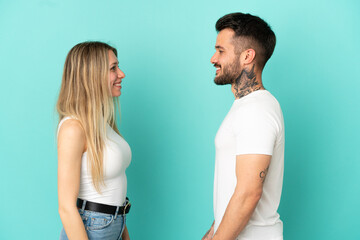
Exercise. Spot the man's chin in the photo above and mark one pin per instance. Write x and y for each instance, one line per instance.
(221, 81)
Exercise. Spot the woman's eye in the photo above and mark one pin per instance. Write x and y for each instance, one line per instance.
(113, 68)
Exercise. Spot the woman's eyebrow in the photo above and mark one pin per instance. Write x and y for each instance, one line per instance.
(116, 63)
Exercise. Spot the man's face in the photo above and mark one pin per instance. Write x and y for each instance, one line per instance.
(224, 59)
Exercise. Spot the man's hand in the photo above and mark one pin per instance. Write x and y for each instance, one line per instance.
(209, 234)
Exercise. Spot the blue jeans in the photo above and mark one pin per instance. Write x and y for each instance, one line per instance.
(100, 225)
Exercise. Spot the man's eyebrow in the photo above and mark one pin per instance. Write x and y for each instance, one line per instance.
(219, 47)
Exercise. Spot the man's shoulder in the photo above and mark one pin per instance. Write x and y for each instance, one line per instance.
(263, 98)
(258, 101)
(260, 108)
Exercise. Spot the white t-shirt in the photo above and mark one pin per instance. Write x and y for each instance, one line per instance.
(117, 157)
(254, 125)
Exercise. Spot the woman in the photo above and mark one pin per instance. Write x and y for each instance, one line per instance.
(92, 155)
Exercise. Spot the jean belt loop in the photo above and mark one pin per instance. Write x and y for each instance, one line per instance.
(83, 206)
(116, 213)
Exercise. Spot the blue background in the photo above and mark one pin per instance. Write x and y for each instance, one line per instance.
(171, 110)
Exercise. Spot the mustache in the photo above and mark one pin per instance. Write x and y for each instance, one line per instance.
(216, 65)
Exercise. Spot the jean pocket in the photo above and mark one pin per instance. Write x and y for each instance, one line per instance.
(99, 221)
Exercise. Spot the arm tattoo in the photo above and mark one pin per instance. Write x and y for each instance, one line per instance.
(263, 174)
(246, 83)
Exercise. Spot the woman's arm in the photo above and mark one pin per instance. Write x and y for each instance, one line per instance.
(125, 235)
(71, 145)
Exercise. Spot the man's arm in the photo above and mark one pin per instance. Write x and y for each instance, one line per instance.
(209, 234)
(125, 235)
(251, 170)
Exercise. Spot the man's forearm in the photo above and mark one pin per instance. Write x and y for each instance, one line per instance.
(209, 234)
(125, 235)
(237, 214)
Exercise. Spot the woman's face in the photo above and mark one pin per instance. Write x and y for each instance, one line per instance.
(115, 75)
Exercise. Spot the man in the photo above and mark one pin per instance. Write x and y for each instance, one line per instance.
(249, 144)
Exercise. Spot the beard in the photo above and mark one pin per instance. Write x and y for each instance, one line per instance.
(229, 73)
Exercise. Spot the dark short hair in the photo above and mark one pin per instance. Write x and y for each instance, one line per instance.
(252, 28)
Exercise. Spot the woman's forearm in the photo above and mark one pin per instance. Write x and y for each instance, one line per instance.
(73, 224)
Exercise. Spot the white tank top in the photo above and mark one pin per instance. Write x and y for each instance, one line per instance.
(117, 157)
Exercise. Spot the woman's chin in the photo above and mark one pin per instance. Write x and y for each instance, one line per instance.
(116, 93)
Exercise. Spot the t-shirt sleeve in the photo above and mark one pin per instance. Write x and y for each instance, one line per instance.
(255, 131)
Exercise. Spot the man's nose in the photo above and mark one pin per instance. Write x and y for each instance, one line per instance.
(213, 59)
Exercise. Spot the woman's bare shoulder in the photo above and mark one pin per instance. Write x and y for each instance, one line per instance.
(72, 130)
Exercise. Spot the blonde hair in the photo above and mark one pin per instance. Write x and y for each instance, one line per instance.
(85, 95)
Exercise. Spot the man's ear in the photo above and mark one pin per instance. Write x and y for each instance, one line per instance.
(248, 56)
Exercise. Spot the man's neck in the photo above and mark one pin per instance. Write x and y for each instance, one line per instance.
(247, 82)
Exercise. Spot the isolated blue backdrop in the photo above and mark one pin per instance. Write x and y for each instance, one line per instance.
(171, 110)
